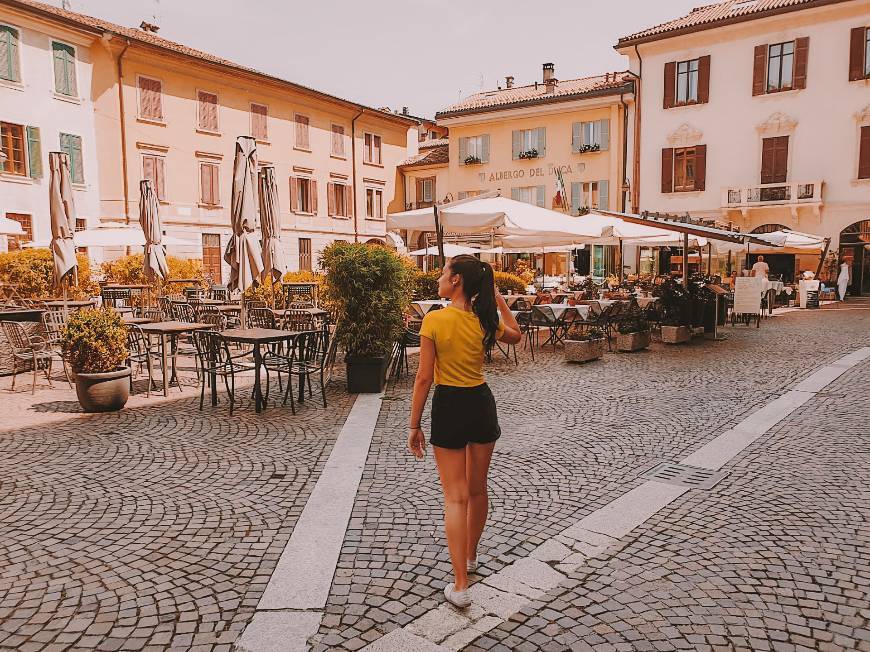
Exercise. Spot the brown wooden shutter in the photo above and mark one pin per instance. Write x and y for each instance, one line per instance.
(161, 177)
(768, 151)
(700, 167)
(419, 194)
(704, 79)
(857, 53)
(774, 159)
(864, 156)
(759, 70)
(294, 195)
(313, 187)
(330, 198)
(670, 87)
(801, 57)
(148, 171)
(668, 169)
(348, 201)
(204, 183)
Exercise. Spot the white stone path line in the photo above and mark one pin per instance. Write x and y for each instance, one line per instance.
(499, 596)
(292, 605)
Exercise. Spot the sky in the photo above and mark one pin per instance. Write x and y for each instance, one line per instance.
(423, 54)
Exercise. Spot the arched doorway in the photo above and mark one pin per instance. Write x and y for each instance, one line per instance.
(855, 245)
(781, 265)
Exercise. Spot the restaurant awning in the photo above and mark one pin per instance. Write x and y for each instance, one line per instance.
(701, 230)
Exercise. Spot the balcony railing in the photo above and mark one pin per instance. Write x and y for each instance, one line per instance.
(772, 194)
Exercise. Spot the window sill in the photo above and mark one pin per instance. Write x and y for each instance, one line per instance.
(683, 193)
(340, 217)
(158, 122)
(304, 213)
(780, 91)
(67, 98)
(79, 186)
(263, 142)
(163, 202)
(338, 157)
(302, 149)
(375, 219)
(12, 85)
(208, 132)
(860, 181)
(683, 105)
(210, 206)
(16, 178)
(374, 165)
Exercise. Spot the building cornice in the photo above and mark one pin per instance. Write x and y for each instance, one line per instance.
(569, 105)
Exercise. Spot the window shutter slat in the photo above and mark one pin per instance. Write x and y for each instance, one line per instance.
(542, 142)
(348, 201)
(759, 70)
(801, 59)
(72, 82)
(204, 183)
(34, 152)
(767, 156)
(576, 196)
(515, 194)
(864, 156)
(604, 195)
(704, 79)
(484, 157)
(161, 177)
(419, 190)
(294, 195)
(780, 161)
(463, 150)
(148, 169)
(59, 66)
(517, 143)
(9, 66)
(670, 85)
(857, 52)
(605, 135)
(330, 198)
(576, 136)
(541, 192)
(700, 167)
(78, 167)
(313, 187)
(668, 169)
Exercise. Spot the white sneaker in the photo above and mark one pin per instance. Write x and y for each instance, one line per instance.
(471, 565)
(459, 599)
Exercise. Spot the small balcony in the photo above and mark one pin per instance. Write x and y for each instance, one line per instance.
(414, 205)
(792, 194)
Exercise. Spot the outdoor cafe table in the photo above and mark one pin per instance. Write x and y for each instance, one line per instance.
(257, 337)
(170, 329)
(128, 318)
(423, 307)
(559, 309)
(71, 304)
(511, 299)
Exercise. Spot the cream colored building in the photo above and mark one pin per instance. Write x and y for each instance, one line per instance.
(164, 111)
(757, 113)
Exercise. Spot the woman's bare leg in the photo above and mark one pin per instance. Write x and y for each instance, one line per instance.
(476, 471)
(451, 468)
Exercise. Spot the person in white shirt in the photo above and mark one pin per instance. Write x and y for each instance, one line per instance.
(760, 268)
(844, 278)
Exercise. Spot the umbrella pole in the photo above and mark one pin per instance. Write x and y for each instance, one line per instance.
(709, 258)
(439, 236)
(686, 259)
(621, 254)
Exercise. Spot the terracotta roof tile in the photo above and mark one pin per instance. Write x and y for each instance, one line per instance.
(710, 16)
(435, 142)
(433, 156)
(568, 89)
(149, 38)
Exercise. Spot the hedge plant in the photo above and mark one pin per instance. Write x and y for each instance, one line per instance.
(95, 341)
(510, 283)
(370, 288)
(32, 271)
(127, 270)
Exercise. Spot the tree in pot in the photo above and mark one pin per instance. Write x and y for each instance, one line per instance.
(632, 334)
(95, 343)
(584, 345)
(370, 288)
(675, 304)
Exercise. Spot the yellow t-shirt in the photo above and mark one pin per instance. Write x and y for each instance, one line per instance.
(458, 340)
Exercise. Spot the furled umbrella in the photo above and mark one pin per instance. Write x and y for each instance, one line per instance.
(63, 218)
(154, 264)
(270, 224)
(243, 250)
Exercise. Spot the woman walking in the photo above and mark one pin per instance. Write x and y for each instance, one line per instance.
(453, 344)
(844, 278)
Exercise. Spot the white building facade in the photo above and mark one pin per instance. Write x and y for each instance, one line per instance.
(758, 114)
(45, 106)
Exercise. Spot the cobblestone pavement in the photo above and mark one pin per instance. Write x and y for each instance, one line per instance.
(153, 528)
(576, 437)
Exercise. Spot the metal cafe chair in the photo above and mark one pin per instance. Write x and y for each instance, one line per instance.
(213, 356)
(140, 351)
(28, 351)
(261, 318)
(544, 317)
(53, 324)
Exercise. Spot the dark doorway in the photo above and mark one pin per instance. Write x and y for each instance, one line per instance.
(781, 265)
(582, 261)
(855, 244)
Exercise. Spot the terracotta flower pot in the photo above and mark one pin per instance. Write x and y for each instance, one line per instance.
(676, 334)
(632, 341)
(583, 350)
(104, 392)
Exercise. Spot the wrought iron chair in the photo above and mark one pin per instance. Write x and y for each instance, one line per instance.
(216, 320)
(544, 317)
(261, 317)
(141, 351)
(53, 323)
(408, 339)
(154, 314)
(299, 320)
(28, 351)
(312, 351)
(219, 293)
(214, 359)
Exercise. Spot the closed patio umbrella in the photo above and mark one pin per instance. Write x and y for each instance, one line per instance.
(63, 218)
(154, 263)
(270, 223)
(243, 250)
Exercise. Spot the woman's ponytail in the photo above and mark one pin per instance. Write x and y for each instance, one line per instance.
(478, 282)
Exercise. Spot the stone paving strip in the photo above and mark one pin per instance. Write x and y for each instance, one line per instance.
(497, 597)
(291, 607)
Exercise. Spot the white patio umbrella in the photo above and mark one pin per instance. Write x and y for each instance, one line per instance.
(450, 250)
(63, 218)
(154, 261)
(270, 223)
(243, 252)
(10, 227)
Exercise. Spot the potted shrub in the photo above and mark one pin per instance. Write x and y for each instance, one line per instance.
(370, 288)
(675, 304)
(529, 154)
(632, 334)
(471, 159)
(95, 343)
(675, 333)
(583, 346)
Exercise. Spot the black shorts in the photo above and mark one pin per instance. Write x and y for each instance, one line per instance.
(463, 415)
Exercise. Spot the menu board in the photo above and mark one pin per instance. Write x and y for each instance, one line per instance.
(747, 295)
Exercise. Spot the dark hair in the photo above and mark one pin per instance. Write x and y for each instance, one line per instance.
(478, 285)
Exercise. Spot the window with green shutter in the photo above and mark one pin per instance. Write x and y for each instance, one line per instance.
(10, 69)
(34, 152)
(72, 146)
(64, 69)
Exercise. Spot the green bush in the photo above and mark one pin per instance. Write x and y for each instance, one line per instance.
(95, 341)
(633, 324)
(426, 285)
(127, 270)
(370, 289)
(32, 271)
(510, 283)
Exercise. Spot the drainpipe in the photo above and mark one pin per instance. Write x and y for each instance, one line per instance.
(353, 175)
(123, 131)
(635, 185)
(623, 190)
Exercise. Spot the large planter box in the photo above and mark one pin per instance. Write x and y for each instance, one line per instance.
(676, 334)
(583, 350)
(632, 341)
(366, 375)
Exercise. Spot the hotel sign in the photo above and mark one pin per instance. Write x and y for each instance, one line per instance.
(531, 173)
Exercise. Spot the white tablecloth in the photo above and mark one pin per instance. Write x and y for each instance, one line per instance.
(422, 307)
(511, 299)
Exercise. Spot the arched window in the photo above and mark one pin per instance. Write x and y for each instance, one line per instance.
(768, 228)
(859, 232)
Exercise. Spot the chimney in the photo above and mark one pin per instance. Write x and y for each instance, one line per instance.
(549, 72)
(509, 81)
(145, 26)
(404, 110)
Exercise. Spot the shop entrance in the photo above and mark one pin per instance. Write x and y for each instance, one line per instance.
(855, 244)
(781, 265)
